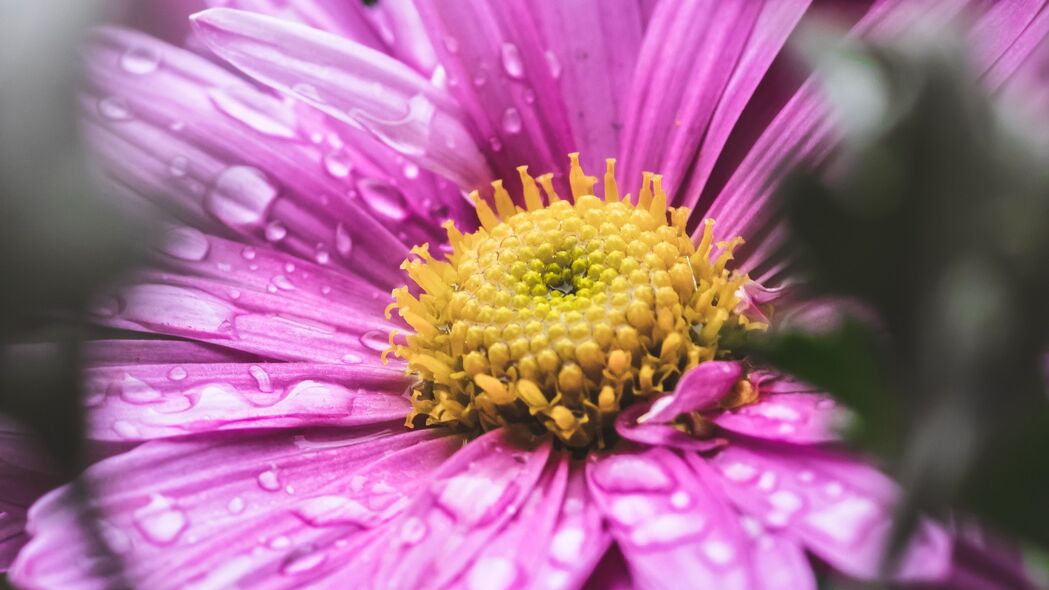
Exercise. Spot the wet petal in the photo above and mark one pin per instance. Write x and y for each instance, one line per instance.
(157, 351)
(838, 508)
(138, 402)
(660, 434)
(176, 130)
(24, 477)
(259, 511)
(801, 418)
(700, 389)
(252, 299)
(351, 83)
(672, 525)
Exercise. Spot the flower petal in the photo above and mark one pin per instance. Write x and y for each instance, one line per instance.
(259, 511)
(138, 402)
(252, 299)
(24, 477)
(149, 352)
(672, 526)
(176, 130)
(699, 66)
(838, 508)
(351, 83)
(699, 389)
(800, 418)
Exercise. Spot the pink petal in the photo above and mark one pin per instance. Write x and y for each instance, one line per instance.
(659, 434)
(672, 526)
(171, 128)
(590, 61)
(801, 418)
(698, 68)
(150, 352)
(699, 389)
(471, 499)
(838, 508)
(138, 402)
(252, 299)
(24, 477)
(252, 511)
(351, 83)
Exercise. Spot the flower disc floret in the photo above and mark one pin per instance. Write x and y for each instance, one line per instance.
(555, 316)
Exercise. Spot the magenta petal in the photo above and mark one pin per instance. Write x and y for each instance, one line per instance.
(699, 389)
(195, 139)
(659, 434)
(250, 511)
(671, 525)
(151, 352)
(838, 508)
(138, 402)
(24, 477)
(801, 418)
(252, 299)
(351, 83)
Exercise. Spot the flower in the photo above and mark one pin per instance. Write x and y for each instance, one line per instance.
(262, 439)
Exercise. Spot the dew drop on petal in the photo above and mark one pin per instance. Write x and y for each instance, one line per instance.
(185, 243)
(299, 564)
(668, 529)
(511, 58)
(411, 170)
(492, 573)
(376, 340)
(178, 166)
(334, 510)
(413, 530)
(383, 198)
(337, 164)
(495, 143)
(136, 391)
(511, 121)
(553, 64)
(275, 231)
(718, 552)
(248, 253)
(680, 500)
(268, 480)
(140, 60)
(405, 135)
(351, 359)
(126, 430)
(343, 241)
(235, 505)
(253, 110)
(281, 542)
(241, 197)
(262, 378)
(283, 283)
(567, 545)
(160, 521)
(114, 108)
(177, 373)
(321, 255)
(627, 473)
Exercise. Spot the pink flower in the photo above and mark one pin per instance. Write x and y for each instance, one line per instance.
(304, 156)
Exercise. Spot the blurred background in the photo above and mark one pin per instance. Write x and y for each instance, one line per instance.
(921, 241)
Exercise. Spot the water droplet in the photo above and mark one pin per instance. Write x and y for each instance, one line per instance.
(567, 545)
(825, 404)
(775, 412)
(262, 378)
(739, 472)
(833, 489)
(767, 482)
(136, 391)
(406, 134)
(786, 501)
(185, 243)
(512, 64)
(275, 231)
(351, 359)
(281, 282)
(126, 429)
(495, 143)
(248, 253)
(668, 529)
(298, 564)
(236, 505)
(680, 500)
(177, 126)
(338, 164)
(280, 542)
(376, 340)
(845, 520)
(160, 521)
(411, 170)
(177, 373)
(806, 476)
(114, 108)
(254, 110)
(289, 267)
(553, 64)
(480, 77)
(529, 96)
(343, 241)
(332, 510)
(268, 480)
(321, 254)
(451, 44)
(412, 531)
(492, 573)
(511, 121)
(241, 197)
(631, 473)
(178, 166)
(719, 552)
(140, 60)
(385, 199)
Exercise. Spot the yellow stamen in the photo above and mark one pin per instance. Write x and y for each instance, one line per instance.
(553, 318)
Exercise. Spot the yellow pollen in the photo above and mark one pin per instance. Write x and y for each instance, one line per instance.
(555, 316)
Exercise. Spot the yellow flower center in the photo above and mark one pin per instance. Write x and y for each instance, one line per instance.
(556, 316)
